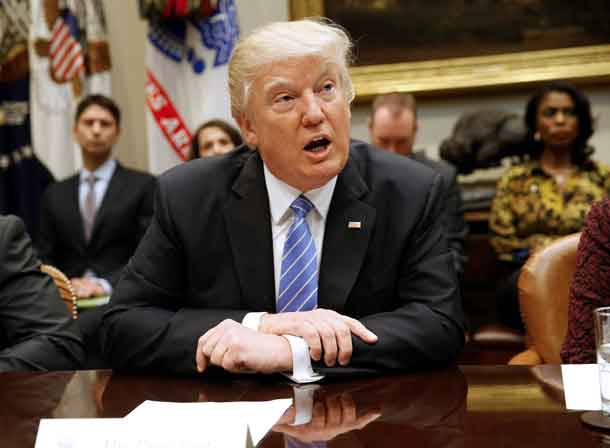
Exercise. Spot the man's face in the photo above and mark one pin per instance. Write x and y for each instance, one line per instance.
(96, 131)
(299, 118)
(394, 133)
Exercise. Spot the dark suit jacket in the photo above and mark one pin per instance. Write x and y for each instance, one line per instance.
(36, 330)
(208, 256)
(453, 215)
(121, 220)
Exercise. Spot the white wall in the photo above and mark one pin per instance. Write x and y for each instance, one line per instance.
(127, 35)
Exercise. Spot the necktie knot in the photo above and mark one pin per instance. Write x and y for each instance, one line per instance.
(301, 206)
(91, 179)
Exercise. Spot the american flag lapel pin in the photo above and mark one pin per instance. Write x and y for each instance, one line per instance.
(354, 225)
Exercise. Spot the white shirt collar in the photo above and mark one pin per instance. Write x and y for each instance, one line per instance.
(103, 172)
(281, 195)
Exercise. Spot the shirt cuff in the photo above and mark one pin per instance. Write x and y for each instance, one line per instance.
(252, 320)
(105, 284)
(301, 362)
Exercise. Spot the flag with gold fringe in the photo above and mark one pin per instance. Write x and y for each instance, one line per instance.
(188, 50)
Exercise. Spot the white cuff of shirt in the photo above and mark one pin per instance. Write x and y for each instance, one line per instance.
(105, 284)
(301, 362)
(252, 320)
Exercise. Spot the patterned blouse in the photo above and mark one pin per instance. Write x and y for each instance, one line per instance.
(590, 287)
(529, 210)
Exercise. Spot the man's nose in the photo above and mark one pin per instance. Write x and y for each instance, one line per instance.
(312, 113)
(96, 127)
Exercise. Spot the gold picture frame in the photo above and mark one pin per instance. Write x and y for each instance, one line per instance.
(585, 64)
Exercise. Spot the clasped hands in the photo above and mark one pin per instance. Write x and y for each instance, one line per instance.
(237, 348)
(85, 287)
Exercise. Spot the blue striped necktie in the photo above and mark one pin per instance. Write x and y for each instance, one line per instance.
(298, 289)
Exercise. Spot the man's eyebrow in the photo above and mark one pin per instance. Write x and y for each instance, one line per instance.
(276, 84)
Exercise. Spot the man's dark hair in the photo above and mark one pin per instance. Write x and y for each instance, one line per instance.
(580, 151)
(233, 134)
(101, 101)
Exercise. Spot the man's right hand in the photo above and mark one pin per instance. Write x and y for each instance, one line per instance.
(325, 331)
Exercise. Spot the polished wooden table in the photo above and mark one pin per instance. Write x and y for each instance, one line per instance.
(466, 406)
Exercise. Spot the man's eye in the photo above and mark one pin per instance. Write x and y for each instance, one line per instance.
(283, 98)
(328, 87)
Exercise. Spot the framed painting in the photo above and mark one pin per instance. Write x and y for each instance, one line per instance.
(447, 46)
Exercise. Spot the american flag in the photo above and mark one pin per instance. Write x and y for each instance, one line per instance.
(66, 55)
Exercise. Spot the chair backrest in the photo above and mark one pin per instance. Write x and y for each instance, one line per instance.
(544, 295)
(66, 291)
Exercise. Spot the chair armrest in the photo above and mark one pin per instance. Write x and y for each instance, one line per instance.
(528, 357)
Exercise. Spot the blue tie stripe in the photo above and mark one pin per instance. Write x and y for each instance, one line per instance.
(298, 288)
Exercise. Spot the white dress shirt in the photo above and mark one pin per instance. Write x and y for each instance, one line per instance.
(103, 175)
(281, 196)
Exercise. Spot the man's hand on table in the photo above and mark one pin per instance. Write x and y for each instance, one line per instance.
(236, 348)
(85, 287)
(325, 331)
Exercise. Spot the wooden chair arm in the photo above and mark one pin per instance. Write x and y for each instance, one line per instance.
(529, 357)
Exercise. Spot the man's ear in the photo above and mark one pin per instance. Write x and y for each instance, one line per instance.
(248, 130)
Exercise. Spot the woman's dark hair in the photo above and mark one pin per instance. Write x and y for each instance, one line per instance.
(580, 151)
(233, 134)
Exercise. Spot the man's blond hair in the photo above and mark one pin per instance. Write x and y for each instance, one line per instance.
(286, 40)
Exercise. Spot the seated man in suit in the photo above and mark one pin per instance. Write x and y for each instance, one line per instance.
(307, 250)
(92, 222)
(393, 126)
(37, 331)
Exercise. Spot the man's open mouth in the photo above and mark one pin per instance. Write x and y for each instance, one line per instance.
(317, 145)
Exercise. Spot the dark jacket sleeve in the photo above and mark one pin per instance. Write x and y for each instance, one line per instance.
(144, 217)
(37, 330)
(47, 244)
(427, 326)
(148, 326)
(453, 217)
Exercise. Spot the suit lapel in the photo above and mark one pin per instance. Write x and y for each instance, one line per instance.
(344, 248)
(111, 198)
(248, 224)
(73, 213)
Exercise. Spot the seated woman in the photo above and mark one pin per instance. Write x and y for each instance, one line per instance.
(37, 332)
(214, 137)
(550, 194)
(590, 287)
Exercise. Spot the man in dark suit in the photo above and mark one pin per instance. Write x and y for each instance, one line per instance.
(92, 222)
(227, 273)
(37, 331)
(393, 127)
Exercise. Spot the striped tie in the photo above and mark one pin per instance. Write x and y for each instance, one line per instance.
(299, 280)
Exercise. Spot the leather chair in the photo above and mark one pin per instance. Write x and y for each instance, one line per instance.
(66, 291)
(544, 295)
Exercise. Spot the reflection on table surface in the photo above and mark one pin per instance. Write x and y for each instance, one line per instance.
(469, 406)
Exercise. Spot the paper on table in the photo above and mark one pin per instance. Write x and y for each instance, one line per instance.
(259, 415)
(581, 386)
(118, 433)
